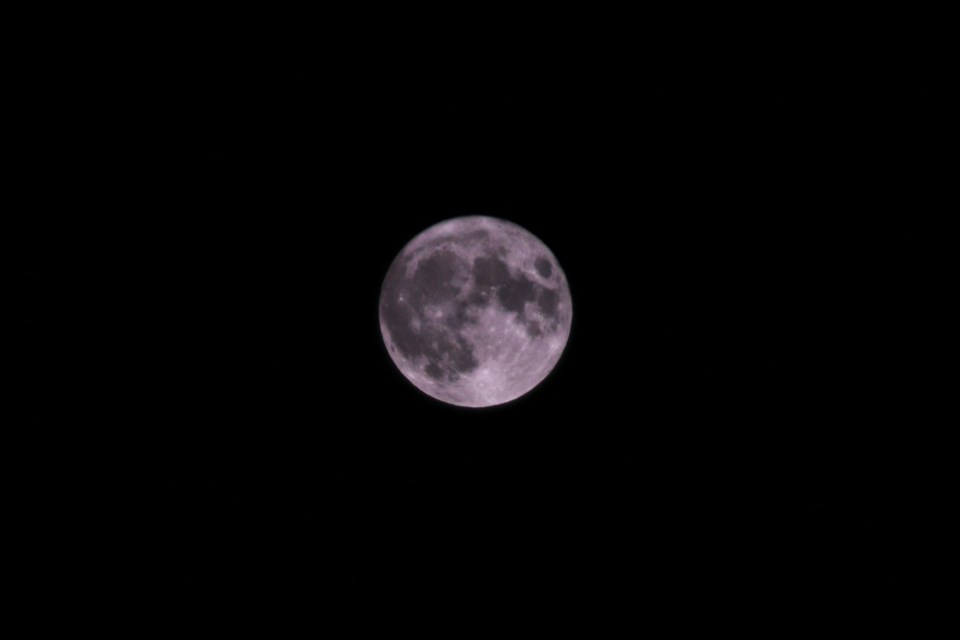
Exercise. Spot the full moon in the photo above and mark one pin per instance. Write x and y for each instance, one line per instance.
(475, 311)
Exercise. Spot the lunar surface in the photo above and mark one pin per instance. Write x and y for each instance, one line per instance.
(475, 311)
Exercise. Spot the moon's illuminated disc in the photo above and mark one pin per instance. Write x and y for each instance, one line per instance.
(475, 311)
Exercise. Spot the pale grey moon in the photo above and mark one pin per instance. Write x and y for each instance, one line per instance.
(475, 311)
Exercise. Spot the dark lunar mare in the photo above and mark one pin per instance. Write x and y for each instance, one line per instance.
(440, 344)
(447, 353)
(491, 272)
(543, 267)
(548, 301)
(492, 276)
(433, 280)
(516, 292)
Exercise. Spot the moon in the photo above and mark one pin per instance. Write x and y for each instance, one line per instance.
(475, 311)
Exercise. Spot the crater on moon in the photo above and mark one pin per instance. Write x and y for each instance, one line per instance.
(475, 311)
(543, 267)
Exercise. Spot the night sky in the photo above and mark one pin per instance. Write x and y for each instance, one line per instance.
(686, 431)
(693, 440)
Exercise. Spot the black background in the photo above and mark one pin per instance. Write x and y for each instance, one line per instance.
(237, 209)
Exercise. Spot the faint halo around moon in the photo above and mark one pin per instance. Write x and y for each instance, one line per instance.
(475, 311)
